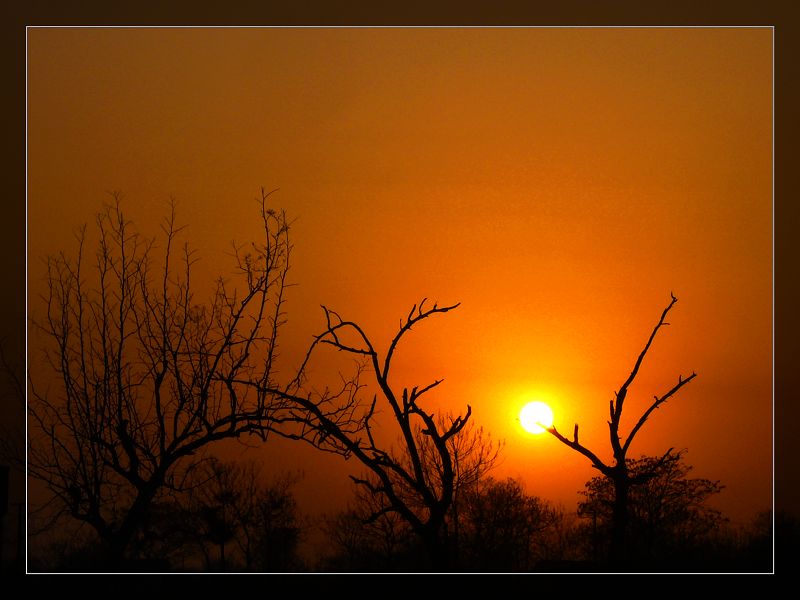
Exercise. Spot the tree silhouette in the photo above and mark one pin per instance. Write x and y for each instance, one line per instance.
(369, 535)
(363, 542)
(504, 526)
(668, 514)
(138, 378)
(617, 472)
(417, 480)
(474, 454)
(255, 526)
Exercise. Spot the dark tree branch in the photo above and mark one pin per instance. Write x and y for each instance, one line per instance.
(656, 403)
(646, 475)
(575, 445)
(415, 315)
(623, 390)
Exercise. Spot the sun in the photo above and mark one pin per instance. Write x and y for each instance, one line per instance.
(535, 417)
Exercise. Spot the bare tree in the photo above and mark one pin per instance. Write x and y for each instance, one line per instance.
(618, 471)
(417, 480)
(138, 378)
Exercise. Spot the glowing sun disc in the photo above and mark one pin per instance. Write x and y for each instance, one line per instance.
(535, 417)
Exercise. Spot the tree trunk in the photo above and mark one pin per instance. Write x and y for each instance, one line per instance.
(437, 551)
(116, 549)
(119, 541)
(619, 523)
(455, 541)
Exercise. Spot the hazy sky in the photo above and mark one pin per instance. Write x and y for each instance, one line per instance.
(557, 182)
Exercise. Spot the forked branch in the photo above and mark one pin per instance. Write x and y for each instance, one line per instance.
(656, 403)
(578, 447)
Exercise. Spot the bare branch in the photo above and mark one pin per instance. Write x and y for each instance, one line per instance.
(623, 390)
(656, 403)
(411, 320)
(575, 445)
(647, 475)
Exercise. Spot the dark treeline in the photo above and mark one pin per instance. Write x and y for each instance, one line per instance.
(226, 519)
(138, 377)
(499, 527)
(231, 519)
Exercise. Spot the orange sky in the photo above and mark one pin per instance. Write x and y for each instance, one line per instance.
(557, 182)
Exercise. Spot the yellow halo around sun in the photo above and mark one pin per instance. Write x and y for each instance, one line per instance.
(536, 417)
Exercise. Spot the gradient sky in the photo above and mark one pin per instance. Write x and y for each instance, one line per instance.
(557, 182)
